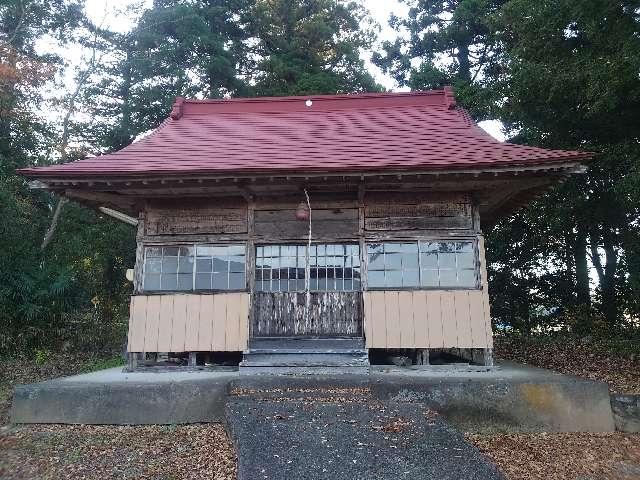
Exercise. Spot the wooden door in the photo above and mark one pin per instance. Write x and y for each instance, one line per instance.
(285, 314)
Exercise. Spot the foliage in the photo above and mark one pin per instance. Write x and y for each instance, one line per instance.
(309, 46)
(564, 78)
(102, 364)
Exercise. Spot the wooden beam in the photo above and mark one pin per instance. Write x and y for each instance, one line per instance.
(101, 197)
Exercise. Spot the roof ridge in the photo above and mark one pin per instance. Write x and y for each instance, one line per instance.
(294, 98)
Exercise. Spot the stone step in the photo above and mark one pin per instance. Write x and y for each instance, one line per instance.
(307, 345)
(296, 359)
(311, 371)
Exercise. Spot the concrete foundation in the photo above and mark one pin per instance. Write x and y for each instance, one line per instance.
(508, 398)
(626, 412)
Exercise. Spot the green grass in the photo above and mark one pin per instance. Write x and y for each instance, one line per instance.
(102, 364)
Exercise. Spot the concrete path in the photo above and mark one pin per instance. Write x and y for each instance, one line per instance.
(350, 437)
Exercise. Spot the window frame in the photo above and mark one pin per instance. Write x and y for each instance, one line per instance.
(194, 246)
(418, 241)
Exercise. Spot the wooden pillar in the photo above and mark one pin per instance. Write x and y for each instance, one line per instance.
(193, 359)
(251, 259)
(488, 357)
(133, 360)
(422, 357)
(139, 265)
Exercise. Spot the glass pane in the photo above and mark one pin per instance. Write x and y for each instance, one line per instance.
(204, 265)
(408, 248)
(429, 246)
(393, 261)
(152, 282)
(373, 248)
(447, 260)
(220, 264)
(237, 281)
(154, 251)
(259, 251)
(236, 250)
(220, 281)
(429, 278)
(259, 287)
(236, 263)
(392, 247)
(185, 281)
(170, 265)
(185, 265)
(152, 265)
(410, 278)
(204, 251)
(288, 262)
(410, 260)
(203, 281)
(394, 278)
(186, 251)
(465, 260)
(448, 278)
(467, 278)
(376, 279)
(446, 247)
(464, 247)
(169, 282)
(429, 260)
(376, 261)
(288, 251)
(170, 251)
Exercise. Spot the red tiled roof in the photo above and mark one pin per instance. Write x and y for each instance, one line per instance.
(418, 131)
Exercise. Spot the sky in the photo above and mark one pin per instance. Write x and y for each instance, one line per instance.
(110, 13)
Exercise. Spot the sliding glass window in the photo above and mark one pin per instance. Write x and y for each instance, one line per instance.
(194, 267)
(424, 264)
(332, 267)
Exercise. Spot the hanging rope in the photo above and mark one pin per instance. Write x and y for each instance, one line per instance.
(307, 270)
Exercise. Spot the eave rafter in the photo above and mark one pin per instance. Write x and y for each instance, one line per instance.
(496, 190)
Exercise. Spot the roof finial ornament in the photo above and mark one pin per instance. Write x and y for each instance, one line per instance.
(449, 97)
(176, 112)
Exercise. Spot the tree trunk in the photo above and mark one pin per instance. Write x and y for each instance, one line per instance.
(464, 65)
(582, 269)
(606, 277)
(609, 300)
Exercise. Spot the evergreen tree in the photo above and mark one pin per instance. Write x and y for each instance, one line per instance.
(309, 46)
(446, 42)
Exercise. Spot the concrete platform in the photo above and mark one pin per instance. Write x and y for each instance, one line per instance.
(507, 398)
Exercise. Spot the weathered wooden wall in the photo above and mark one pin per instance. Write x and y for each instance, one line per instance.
(393, 212)
(188, 322)
(393, 319)
(282, 314)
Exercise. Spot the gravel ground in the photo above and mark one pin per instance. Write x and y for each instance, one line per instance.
(563, 456)
(110, 452)
(358, 440)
